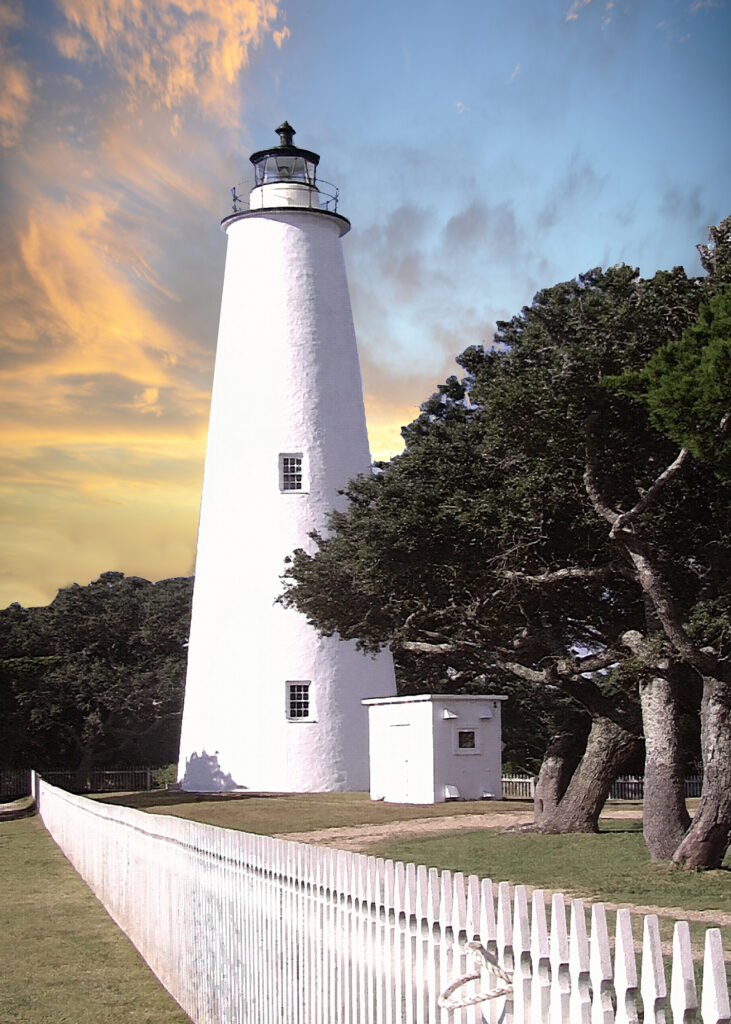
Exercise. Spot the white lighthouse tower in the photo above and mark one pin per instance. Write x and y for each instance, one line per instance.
(269, 704)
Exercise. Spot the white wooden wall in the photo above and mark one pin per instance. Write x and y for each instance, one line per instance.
(244, 928)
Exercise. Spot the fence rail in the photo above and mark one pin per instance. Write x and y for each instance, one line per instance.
(246, 928)
(16, 782)
(626, 787)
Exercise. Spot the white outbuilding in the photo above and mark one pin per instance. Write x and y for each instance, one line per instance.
(430, 748)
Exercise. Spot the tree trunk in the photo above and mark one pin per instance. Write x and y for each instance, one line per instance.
(707, 839)
(665, 817)
(558, 765)
(609, 749)
(81, 782)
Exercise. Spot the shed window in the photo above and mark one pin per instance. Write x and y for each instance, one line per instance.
(466, 739)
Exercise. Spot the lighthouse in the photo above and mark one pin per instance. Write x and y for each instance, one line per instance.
(270, 705)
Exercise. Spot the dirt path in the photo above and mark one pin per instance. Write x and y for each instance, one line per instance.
(358, 838)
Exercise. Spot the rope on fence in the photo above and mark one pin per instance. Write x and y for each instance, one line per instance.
(483, 960)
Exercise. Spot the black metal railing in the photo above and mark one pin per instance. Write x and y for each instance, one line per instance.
(323, 196)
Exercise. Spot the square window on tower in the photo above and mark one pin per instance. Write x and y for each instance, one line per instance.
(299, 704)
(291, 472)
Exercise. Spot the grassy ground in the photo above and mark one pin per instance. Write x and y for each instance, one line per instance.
(611, 867)
(63, 959)
(301, 812)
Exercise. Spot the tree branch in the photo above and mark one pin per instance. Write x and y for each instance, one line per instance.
(641, 556)
(623, 521)
(574, 572)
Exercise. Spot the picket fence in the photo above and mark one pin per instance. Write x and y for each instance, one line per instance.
(247, 929)
(626, 787)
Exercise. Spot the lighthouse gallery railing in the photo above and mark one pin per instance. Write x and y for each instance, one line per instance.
(246, 928)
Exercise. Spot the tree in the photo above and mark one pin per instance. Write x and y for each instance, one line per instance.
(686, 386)
(97, 677)
(485, 544)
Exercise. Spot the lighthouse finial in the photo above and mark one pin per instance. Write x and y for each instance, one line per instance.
(286, 133)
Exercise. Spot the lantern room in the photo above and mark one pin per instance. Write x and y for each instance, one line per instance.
(284, 175)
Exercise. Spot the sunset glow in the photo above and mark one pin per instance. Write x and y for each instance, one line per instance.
(483, 152)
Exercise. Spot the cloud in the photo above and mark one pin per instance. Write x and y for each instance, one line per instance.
(580, 178)
(515, 73)
(110, 258)
(173, 52)
(16, 89)
(682, 204)
(484, 229)
(573, 12)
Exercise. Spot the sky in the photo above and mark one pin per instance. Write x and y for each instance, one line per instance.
(483, 149)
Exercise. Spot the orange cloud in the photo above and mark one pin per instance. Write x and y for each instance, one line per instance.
(16, 91)
(107, 316)
(186, 51)
(98, 323)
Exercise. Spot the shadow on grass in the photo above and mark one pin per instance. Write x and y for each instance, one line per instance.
(173, 798)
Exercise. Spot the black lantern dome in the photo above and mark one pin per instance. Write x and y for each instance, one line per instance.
(285, 162)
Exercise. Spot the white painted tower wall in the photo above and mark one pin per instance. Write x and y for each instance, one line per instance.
(287, 380)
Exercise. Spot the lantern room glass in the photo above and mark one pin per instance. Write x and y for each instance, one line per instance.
(284, 167)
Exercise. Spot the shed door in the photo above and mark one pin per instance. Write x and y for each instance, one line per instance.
(401, 760)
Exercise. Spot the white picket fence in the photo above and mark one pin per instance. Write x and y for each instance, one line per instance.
(247, 929)
(626, 787)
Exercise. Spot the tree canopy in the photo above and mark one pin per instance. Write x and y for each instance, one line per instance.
(537, 521)
(96, 677)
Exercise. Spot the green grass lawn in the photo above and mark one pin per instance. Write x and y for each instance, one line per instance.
(612, 866)
(299, 812)
(63, 959)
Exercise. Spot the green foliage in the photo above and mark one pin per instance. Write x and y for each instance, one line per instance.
(480, 548)
(166, 776)
(97, 677)
(686, 385)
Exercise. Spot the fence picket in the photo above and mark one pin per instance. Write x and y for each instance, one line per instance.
(683, 997)
(600, 968)
(241, 927)
(522, 969)
(434, 942)
(460, 965)
(445, 959)
(505, 938)
(580, 1001)
(652, 975)
(559, 953)
(625, 970)
(540, 957)
(422, 945)
(714, 998)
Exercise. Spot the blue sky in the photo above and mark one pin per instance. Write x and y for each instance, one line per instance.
(483, 150)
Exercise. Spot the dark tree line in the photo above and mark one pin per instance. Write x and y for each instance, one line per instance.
(558, 525)
(96, 678)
